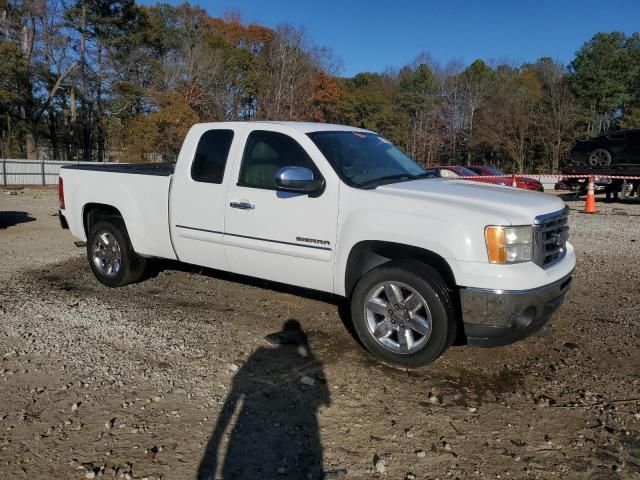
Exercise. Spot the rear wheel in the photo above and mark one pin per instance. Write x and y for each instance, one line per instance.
(402, 313)
(111, 256)
(600, 157)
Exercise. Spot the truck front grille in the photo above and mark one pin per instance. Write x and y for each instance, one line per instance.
(551, 233)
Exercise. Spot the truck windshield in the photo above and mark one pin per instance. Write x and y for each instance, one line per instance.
(363, 159)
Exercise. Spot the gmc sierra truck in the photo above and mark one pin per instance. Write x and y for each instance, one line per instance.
(422, 260)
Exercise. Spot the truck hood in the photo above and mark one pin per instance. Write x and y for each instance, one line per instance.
(506, 204)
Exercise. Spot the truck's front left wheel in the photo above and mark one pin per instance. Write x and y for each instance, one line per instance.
(403, 313)
(111, 256)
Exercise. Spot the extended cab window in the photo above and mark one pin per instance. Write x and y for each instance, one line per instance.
(211, 156)
(266, 153)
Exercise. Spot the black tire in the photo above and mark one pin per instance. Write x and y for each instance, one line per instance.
(132, 266)
(429, 284)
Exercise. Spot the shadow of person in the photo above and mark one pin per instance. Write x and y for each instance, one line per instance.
(9, 219)
(280, 388)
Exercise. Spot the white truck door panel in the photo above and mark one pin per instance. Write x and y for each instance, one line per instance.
(280, 236)
(198, 195)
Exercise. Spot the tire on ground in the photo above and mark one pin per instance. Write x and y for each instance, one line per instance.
(132, 266)
(430, 285)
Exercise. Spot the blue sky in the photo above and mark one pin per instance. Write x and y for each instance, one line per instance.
(375, 34)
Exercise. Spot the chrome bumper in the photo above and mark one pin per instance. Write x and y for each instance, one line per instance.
(500, 317)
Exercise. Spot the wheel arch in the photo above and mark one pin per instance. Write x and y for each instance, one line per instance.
(94, 212)
(369, 254)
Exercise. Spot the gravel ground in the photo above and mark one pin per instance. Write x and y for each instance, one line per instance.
(173, 376)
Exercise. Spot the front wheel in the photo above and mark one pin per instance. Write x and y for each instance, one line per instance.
(402, 313)
(111, 255)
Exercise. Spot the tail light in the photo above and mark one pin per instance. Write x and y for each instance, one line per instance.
(60, 193)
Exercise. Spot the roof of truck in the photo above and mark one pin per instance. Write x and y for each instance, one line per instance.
(305, 127)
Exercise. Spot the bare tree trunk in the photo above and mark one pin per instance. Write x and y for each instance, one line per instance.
(30, 146)
(4, 25)
(53, 134)
(84, 104)
(99, 126)
(471, 113)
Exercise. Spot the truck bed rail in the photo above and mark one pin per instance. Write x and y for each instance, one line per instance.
(158, 169)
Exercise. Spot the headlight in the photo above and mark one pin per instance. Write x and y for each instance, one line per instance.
(509, 244)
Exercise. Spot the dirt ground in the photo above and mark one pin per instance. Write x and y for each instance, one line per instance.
(173, 377)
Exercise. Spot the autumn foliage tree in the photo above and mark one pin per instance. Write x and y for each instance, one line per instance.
(115, 80)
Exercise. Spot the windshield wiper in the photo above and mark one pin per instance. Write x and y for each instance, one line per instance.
(397, 176)
(425, 175)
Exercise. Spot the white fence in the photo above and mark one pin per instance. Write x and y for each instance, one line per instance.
(31, 172)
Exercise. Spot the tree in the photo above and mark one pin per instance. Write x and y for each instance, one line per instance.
(631, 115)
(108, 79)
(419, 96)
(601, 75)
(290, 72)
(453, 111)
(508, 120)
(159, 134)
(368, 101)
(326, 93)
(475, 86)
(556, 118)
(33, 28)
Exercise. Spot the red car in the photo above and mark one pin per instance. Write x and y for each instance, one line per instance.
(521, 182)
(454, 171)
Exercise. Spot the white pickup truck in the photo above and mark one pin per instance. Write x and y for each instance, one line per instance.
(423, 260)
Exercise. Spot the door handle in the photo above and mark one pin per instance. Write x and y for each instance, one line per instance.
(242, 205)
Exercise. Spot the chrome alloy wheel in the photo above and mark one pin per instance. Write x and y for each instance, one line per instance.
(106, 254)
(397, 317)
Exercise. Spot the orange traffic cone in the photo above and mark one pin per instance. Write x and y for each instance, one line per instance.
(590, 204)
(514, 183)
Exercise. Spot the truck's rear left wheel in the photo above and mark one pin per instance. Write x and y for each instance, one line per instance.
(402, 313)
(111, 256)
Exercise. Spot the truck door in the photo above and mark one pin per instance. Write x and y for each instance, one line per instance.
(286, 237)
(198, 195)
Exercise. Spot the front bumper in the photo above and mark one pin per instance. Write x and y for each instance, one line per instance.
(500, 317)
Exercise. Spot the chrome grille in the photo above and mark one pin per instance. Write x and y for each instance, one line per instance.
(551, 233)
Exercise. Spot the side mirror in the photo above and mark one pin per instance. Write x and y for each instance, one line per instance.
(298, 180)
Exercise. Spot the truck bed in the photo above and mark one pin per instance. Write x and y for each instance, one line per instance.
(139, 192)
(159, 169)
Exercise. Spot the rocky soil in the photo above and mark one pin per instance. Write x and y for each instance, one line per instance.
(179, 374)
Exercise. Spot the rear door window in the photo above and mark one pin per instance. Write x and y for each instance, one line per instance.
(211, 155)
